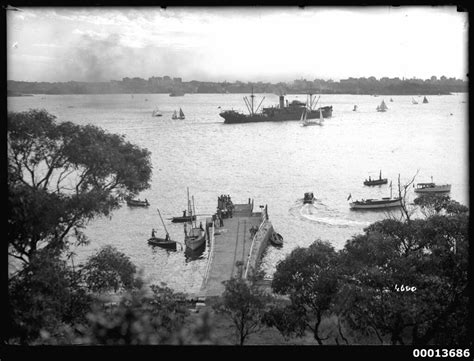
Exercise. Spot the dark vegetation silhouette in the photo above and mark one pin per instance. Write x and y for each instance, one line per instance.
(402, 281)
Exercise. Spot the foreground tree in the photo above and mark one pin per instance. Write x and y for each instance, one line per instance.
(61, 175)
(309, 276)
(43, 297)
(407, 281)
(432, 204)
(109, 270)
(246, 304)
(51, 303)
(137, 319)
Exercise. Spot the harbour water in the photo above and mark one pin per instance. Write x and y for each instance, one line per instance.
(272, 163)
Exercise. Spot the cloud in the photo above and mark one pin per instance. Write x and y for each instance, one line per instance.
(93, 58)
(91, 34)
(100, 44)
(46, 45)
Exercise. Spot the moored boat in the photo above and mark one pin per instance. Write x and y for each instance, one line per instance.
(291, 111)
(376, 182)
(196, 235)
(162, 242)
(425, 100)
(276, 239)
(383, 203)
(432, 188)
(194, 254)
(183, 219)
(137, 203)
(308, 198)
(156, 113)
(386, 202)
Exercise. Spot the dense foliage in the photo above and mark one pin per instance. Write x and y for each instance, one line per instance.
(53, 303)
(310, 278)
(245, 303)
(44, 295)
(109, 270)
(401, 282)
(60, 175)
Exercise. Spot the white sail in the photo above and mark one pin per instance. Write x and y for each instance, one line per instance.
(382, 107)
(303, 117)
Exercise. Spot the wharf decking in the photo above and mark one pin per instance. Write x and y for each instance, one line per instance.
(231, 247)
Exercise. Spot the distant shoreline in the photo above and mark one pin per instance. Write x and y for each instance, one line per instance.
(19, 95)
(292, 93)
(168, 85)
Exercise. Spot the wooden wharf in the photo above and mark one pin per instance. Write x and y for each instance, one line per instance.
(234, 250)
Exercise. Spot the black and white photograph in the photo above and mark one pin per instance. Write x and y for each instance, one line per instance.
(238, 176)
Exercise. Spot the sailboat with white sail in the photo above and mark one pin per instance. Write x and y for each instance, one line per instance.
(314, 121)
(156, 113)
(177, 115)
(382, 107)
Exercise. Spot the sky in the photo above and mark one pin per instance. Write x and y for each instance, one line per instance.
(270, 44)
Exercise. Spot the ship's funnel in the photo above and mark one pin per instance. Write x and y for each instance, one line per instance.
(282, 101)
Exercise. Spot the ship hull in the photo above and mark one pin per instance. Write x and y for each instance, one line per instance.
(162, 242)
(195, 239)
(376, 204)
(376, 182)
(274, 115)
(435, 189)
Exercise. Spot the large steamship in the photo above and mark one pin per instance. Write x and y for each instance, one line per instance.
(281, 112)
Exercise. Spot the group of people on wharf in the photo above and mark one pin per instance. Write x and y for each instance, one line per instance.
(224, 203)
(225, 208)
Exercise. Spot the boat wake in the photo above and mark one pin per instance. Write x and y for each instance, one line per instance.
(318, 212)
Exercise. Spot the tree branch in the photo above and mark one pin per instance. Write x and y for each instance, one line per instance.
(403, 197)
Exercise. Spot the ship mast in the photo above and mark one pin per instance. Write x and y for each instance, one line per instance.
(252, 96)
(247, 104)
(162, 221)
(261, 101)
(250, 104)
(194, 212)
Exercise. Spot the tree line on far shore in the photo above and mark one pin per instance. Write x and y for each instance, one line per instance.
(402, 281)
(370, 85)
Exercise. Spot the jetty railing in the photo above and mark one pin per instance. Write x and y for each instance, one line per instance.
(211, 254)
(264, 220)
